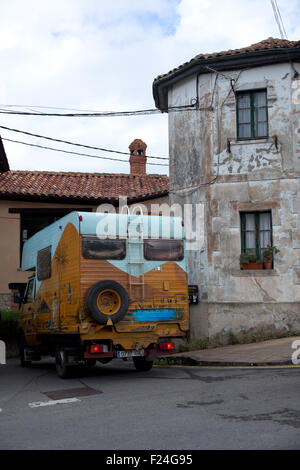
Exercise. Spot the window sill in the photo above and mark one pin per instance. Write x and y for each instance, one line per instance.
(254, 272)
(252, 140)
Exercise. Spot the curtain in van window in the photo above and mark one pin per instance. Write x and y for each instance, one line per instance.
(95, 248)
(164, 250)
(44, 263)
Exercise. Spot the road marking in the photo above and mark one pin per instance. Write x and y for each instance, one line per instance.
(52, 402)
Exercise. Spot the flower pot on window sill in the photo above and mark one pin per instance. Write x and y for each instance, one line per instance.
(268, 263)
(252, 265)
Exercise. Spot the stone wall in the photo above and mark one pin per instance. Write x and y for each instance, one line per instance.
(5, 302)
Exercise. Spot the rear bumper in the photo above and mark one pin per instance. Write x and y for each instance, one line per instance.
(148, 353)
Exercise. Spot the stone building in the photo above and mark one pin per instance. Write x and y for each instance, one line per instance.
(31, 200)
(238, 153)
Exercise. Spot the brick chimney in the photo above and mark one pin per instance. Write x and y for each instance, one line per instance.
(138, 157)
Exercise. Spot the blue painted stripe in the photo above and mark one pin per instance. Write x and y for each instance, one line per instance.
(165, 314)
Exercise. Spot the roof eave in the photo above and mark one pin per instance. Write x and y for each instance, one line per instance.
(221, 63)
(80, 201)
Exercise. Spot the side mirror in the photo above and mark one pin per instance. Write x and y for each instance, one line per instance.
(17, 297)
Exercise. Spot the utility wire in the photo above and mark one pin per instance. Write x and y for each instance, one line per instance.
(217, 72)
(29, 106)
(75, 143)
(282, 31)
(77, 153)
(278, 19)
(142, 112)
(191, 189)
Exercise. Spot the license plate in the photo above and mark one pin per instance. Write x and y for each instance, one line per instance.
(130, 353)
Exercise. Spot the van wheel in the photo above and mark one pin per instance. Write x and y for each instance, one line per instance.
(107, 300)
(90, 362)
(22, 347)
(141, 364)
(62, 369)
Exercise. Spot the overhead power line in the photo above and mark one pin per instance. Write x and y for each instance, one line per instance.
(30, 106)
(75, 143)
(103, 114)
(283, 33)
(278, 19)
(76, 153)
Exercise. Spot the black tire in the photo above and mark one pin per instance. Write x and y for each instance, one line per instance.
(90, 362)
(92, 305)
(22, 346)
(141, 364)
(62, 369)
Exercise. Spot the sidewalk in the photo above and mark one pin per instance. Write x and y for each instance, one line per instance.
(272, 352)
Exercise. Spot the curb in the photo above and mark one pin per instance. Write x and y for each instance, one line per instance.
(188, 361)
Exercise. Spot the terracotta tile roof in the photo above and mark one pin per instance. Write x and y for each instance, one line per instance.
(89, 187)
(267, 44)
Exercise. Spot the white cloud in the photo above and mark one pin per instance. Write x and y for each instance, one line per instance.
(99, 55)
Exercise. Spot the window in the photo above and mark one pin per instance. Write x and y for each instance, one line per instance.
(44, 263)
(252, 114)
(95, 248)
(29, 295)
(164, 250)
(256, 232)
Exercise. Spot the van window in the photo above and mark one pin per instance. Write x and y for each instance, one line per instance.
(44, 263)
(164, 250)
(29, 295)
(96, 248)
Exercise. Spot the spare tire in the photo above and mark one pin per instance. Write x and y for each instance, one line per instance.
(107, 300)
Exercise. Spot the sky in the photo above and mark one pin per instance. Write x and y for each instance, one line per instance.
(95, 55)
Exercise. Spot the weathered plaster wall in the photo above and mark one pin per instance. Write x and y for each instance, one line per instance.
(258, 175)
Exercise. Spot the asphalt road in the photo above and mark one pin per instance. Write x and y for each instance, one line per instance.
(167, 408)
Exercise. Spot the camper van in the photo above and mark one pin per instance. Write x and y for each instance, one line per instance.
(104, 286)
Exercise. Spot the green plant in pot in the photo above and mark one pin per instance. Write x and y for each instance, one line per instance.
(268, 256)
(248, 260)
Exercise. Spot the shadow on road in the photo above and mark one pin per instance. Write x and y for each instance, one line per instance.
(104, 370)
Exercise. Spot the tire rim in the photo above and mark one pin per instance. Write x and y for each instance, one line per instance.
(109, 302)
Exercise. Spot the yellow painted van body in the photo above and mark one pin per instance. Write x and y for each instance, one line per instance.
(73, 254)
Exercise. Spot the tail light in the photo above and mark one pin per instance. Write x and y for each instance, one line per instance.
(165, 346)
(98, 348)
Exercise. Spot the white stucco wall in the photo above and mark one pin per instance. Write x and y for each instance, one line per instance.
(256, 175)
